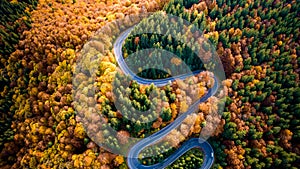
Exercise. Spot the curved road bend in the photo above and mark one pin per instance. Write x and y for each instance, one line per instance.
(132, 159)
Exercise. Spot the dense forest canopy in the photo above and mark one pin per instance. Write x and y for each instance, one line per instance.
(257, 41)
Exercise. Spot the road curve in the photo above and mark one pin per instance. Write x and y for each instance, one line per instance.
(132, 159)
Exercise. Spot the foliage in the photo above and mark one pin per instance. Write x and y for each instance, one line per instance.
(15, 19)
(257, 41)
(192, 159)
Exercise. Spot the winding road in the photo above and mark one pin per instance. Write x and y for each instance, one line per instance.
(132, 159)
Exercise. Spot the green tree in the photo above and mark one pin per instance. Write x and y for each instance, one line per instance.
(172, 97)
(166, 114)
(115, 123)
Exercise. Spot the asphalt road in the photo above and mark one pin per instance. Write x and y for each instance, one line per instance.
(132, 159)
